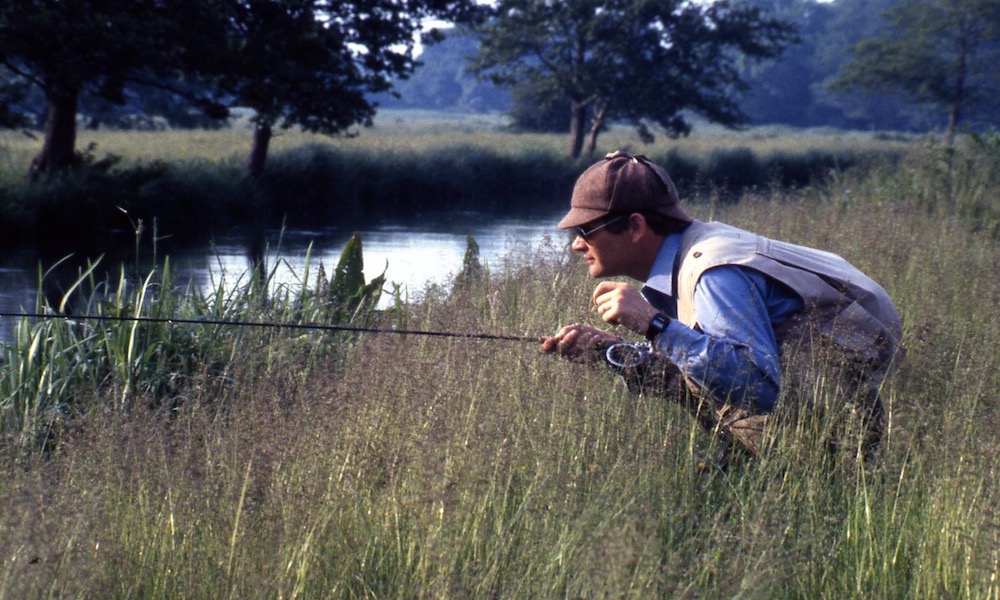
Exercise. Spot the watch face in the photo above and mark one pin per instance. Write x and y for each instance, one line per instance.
(656, 326)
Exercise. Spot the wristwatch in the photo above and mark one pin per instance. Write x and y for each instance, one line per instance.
(656, 326)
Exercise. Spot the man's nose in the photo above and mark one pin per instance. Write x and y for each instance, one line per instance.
(579, 244)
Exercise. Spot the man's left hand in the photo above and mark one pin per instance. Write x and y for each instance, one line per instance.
(621, 304)
(580, 343)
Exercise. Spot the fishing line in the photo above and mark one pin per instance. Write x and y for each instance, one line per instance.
(275, 325)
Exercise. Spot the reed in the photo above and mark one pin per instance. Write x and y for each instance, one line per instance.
(138, 341)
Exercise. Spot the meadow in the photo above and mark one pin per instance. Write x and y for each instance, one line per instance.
(159, 461)
(397, 131)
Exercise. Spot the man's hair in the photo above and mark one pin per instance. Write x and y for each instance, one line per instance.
(660, 224)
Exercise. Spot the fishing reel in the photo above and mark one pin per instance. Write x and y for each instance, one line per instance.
(643, 370)
(627, 356)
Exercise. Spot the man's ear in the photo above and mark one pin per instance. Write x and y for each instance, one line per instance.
(637, 226)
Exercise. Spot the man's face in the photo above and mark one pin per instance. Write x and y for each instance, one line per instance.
(606, 253)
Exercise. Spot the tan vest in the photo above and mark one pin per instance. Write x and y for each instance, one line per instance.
(844, 304)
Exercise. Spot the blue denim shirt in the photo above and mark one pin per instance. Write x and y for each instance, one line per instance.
(732, 352)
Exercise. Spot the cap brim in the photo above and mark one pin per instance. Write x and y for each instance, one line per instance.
(579, 216)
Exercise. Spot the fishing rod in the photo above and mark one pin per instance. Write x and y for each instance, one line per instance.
(276, 325)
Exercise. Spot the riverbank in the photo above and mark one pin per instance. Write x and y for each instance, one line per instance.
(190, 185)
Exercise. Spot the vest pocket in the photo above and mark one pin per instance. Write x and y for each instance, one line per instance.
(855, 330)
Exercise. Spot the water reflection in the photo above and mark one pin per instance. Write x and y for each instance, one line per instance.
(412, 255)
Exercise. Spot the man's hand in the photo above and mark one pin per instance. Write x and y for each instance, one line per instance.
(622, 304)
(579, 343)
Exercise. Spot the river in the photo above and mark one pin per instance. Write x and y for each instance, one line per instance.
(413, 254)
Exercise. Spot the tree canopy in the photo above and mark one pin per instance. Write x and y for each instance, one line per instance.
(314, 64)
(13, 91)
(95, 47)
(631, 60)
(940, 53)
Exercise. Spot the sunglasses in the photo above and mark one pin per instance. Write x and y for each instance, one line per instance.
(586, 233)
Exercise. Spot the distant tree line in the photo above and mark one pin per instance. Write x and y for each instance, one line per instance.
(327, 66)
(642, 62)
(881, 65)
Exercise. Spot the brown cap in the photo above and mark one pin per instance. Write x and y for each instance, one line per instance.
(622, 184)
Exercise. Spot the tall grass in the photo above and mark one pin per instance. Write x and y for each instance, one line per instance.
(140, 341)
(408, 466)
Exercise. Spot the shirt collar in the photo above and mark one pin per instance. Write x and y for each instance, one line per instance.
(661, 275)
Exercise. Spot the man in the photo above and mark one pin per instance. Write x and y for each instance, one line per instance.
(728, 315)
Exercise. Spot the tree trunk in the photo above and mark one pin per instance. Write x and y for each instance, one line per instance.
(258, 152)
(577, 116)
(953, 114)
(595, 129)
(59, 147)
(958, 94)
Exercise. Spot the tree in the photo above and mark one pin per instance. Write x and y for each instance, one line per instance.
(294, 62)
(780, 91)
(13, 91)
(940, 53)
(538, 105)
(312, 63)
(441, 82)
(97, 47)
(631, 60)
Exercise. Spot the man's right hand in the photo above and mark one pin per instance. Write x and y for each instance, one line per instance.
(621, 304)
(579, 343)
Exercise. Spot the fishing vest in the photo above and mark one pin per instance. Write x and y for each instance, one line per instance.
(843, 304)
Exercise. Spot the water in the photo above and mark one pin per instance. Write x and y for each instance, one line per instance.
(413, 255)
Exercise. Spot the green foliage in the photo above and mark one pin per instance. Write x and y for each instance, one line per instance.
(292, 63)
(329, 185)
(538, 105)
(130, 355)
(104, 48)
(469, 282)
(630, 61)
(740, 168)
(940, 53)
(95, 201)
(473, 272)
(958, 182)
(50, 361)
(442, 82)
(352, 299)
(13, 91)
